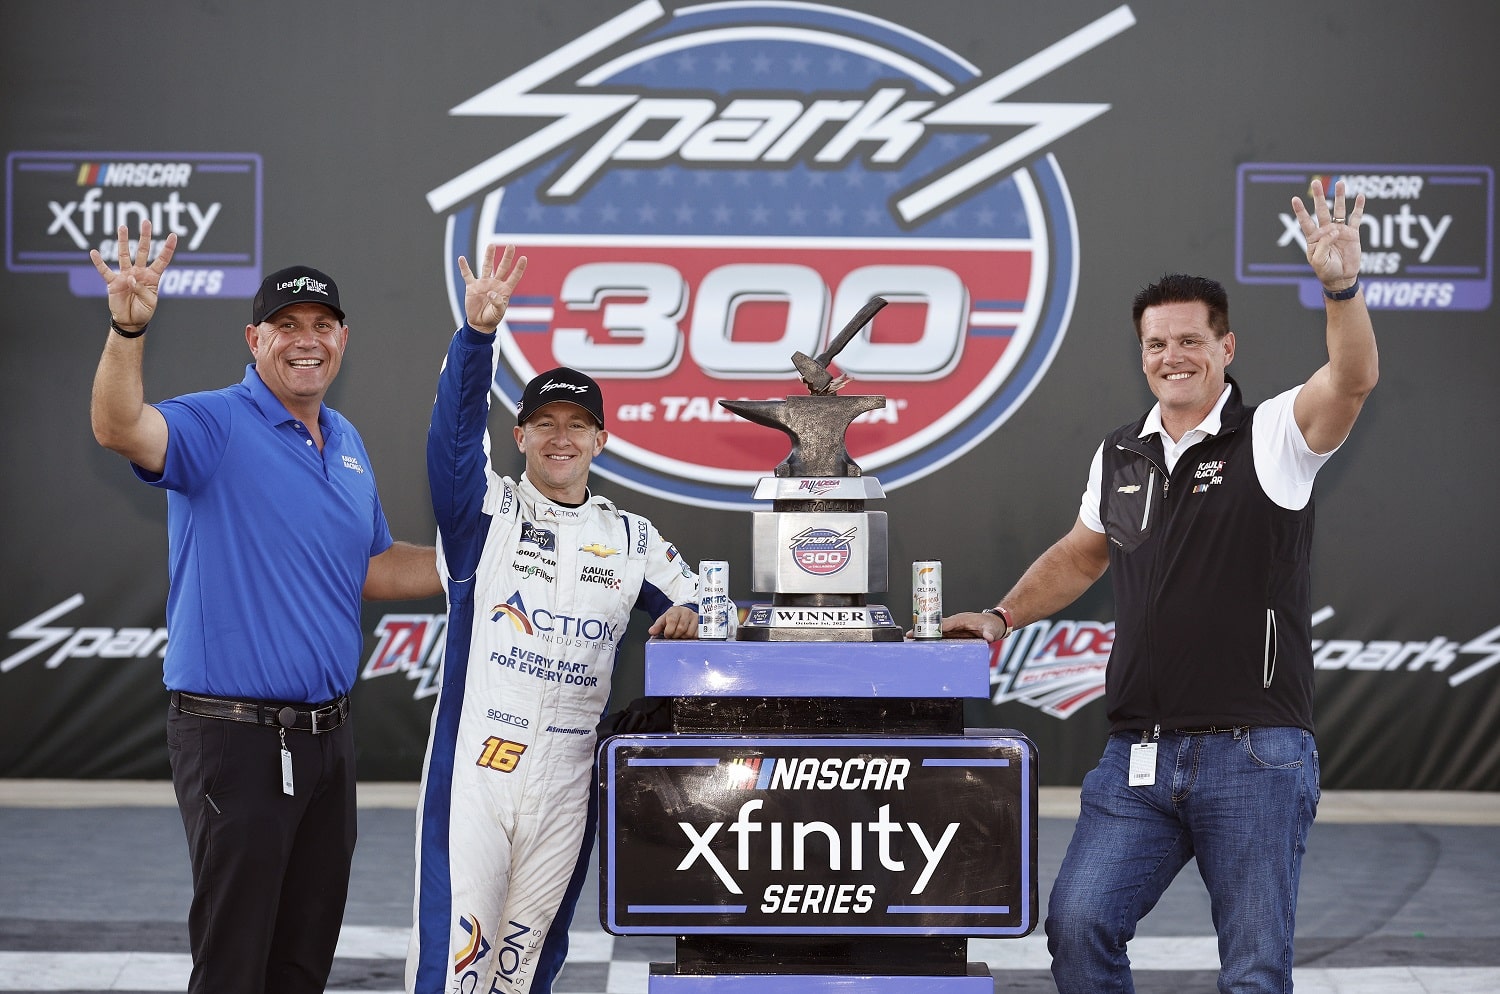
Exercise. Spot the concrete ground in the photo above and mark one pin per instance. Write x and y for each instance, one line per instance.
(1400, 895)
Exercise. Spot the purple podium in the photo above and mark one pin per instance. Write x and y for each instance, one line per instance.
(817, 819)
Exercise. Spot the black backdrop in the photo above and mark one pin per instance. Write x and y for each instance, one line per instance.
(335, 117)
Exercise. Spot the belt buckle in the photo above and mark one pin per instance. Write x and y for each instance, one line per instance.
(331, 710)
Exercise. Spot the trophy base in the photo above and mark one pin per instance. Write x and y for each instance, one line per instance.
(788, 623)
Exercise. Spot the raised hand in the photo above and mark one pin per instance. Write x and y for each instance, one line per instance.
(132, 291)
(1333, 247)
(487, 295)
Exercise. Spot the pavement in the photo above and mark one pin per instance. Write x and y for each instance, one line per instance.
(1400, 895)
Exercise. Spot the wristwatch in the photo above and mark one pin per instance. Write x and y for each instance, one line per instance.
(1004, 615)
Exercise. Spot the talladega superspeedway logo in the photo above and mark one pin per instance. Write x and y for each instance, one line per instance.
(708, 191)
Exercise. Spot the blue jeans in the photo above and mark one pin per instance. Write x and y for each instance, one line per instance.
(1239, 801)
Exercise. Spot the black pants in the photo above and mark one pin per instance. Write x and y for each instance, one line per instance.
(270, 872)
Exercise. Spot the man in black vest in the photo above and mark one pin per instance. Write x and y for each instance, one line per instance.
(1202, 513)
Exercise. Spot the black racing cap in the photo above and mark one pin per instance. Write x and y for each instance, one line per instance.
(295, 285)
(562, 383)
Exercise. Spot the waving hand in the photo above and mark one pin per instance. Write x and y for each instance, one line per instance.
(487, 295)
(132, 291)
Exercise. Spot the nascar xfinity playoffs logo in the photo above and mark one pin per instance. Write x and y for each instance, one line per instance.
(705, 192)
(59, 205)
(1427, 233)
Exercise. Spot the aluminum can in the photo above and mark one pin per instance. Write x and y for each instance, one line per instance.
(713, 599)
(927, 599)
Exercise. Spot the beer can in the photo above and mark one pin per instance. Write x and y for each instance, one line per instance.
(713, 599)
(927, 599)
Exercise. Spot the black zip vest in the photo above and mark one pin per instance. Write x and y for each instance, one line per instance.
(1212, 585)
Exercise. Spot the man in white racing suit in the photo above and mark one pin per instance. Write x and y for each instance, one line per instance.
(541, 577)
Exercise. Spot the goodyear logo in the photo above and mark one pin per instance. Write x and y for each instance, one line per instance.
(704, 192)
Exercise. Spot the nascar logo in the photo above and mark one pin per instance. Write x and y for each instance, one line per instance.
(703, 193)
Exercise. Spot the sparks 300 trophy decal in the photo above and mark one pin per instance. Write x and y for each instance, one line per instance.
(710, 190)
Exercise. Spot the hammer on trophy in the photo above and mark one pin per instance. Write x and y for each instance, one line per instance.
(814, 372)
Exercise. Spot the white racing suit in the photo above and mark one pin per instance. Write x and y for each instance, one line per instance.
(539, 596)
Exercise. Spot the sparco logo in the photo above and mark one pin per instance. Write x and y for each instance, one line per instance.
(704, 192)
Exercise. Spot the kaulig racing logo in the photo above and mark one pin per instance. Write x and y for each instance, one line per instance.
(704, 192)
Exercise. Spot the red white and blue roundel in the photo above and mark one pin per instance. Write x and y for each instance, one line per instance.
(822, 551)
(711, 190)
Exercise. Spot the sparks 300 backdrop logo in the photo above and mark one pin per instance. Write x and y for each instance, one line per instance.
(710, 190)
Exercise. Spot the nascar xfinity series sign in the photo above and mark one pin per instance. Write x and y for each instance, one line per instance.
(1428, 232)
(706, 192)
(818, 836)
(59, 205)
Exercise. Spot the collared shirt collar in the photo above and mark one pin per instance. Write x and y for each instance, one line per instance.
(1209, 426)
(273, 410)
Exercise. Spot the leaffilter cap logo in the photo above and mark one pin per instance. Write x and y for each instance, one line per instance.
(713, 189)
(302, 283)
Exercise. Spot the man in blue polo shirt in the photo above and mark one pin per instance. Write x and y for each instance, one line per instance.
(275, 533)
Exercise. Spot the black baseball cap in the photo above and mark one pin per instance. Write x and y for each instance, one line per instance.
(295, 285)
(562, 383)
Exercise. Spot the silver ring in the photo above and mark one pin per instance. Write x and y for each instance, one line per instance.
(1338, 220)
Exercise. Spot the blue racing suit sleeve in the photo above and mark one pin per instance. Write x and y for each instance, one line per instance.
(457, 457)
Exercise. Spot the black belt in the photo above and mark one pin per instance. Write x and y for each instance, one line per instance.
(315, 718)
(1209, 729)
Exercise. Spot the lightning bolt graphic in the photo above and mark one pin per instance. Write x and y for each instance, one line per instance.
(984, 105)
(37, 629)
(512, 97)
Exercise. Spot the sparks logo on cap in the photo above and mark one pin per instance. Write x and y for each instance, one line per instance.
(701, 193)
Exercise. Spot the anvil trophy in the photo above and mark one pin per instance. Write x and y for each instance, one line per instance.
(818, 552)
